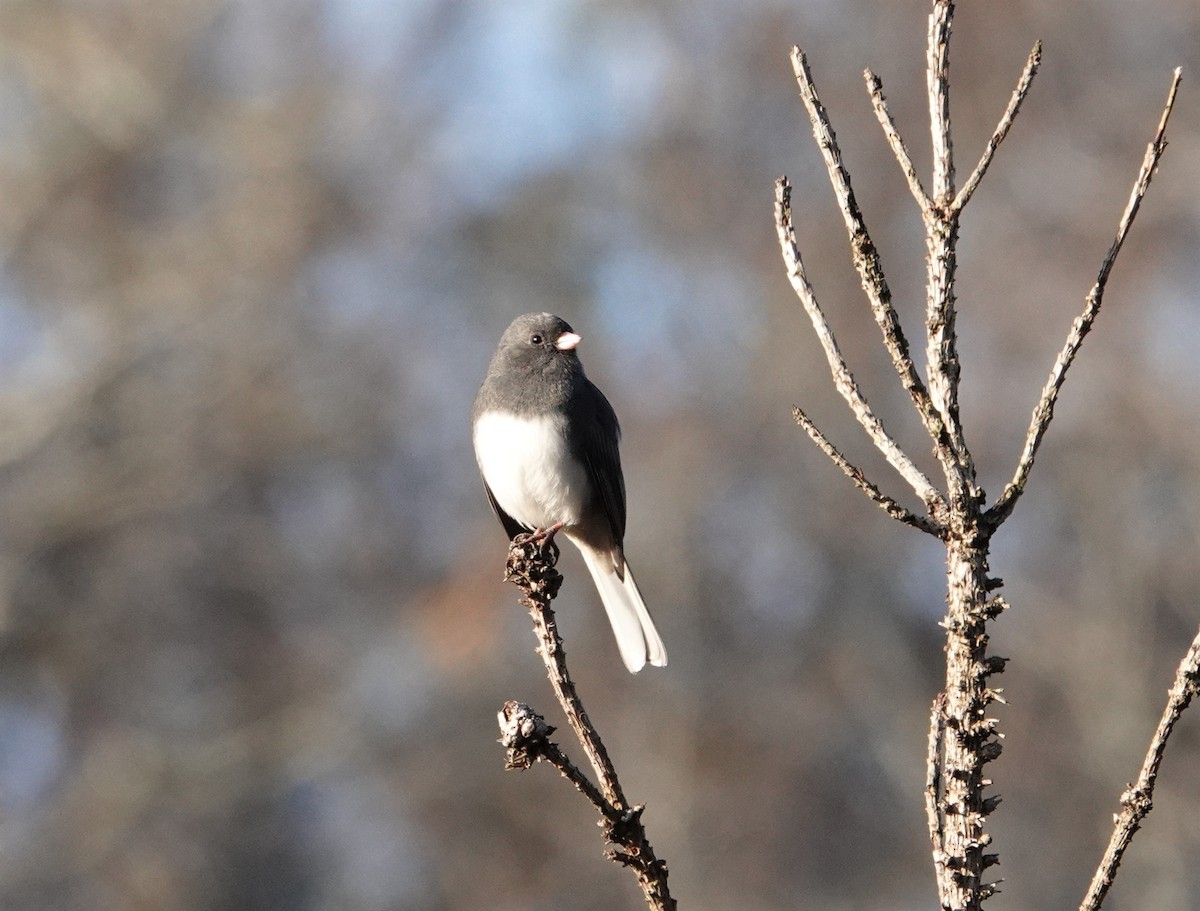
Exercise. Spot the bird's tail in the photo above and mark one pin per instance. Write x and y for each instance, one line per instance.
(637, 638)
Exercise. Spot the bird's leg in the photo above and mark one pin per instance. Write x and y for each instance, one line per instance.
(548, 533)
(541, 534)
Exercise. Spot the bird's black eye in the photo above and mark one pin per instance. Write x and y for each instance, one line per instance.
(535, 339)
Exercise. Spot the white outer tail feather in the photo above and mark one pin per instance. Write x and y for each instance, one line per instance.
(637, 638)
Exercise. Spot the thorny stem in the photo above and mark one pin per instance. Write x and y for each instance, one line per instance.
(896, 141)
(970, 739)
(525, 736)
(937, 74)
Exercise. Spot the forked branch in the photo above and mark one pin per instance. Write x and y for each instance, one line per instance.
(1043, 412)
(525, 734)
(866, 257)
(842, 377)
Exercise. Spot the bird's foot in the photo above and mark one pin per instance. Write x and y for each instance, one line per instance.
(543, 535)
(547, 534)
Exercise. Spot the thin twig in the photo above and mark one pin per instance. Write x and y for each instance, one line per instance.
(864, 252)
(842, 377)
(895, 140)
(1006, 122)
(1137, 801)
(1044, 411)
(890, 506)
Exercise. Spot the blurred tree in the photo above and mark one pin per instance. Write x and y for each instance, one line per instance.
(255, 256)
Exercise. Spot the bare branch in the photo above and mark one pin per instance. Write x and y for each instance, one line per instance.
(1137, 801)
(938, 82)
(863, 251)
(842, 378)
(1006, 122)
(531, 567)
(941, 265)
(896, 141)
(1044, 411)
(890, 506)
(525, 735)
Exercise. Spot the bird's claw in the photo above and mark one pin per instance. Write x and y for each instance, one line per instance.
(545, 536)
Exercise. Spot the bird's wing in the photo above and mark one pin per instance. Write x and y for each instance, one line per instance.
(511, 526)
(599, 434)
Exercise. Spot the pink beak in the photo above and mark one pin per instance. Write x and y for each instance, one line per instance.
(567, 341)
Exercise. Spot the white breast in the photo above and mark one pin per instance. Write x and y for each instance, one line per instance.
(526, 464)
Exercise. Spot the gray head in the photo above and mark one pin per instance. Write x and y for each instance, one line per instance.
(535, 365)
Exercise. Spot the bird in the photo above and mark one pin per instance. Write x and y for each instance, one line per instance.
(546, 440)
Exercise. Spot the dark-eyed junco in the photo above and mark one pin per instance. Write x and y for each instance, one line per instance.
(546, 442)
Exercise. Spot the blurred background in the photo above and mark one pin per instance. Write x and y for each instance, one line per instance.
(253, 634)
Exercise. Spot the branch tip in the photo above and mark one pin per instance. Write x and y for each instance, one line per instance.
(896, 142)
(1002, 128)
